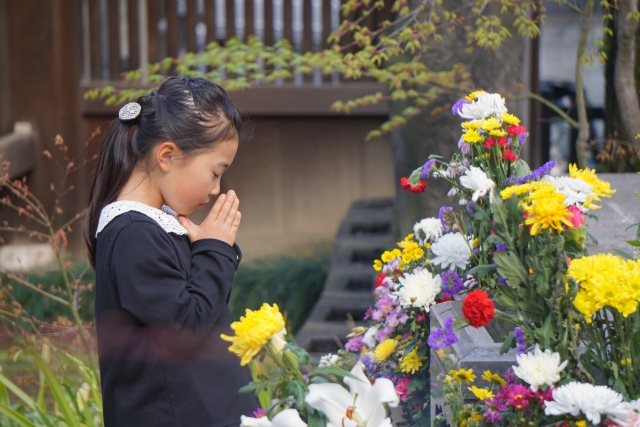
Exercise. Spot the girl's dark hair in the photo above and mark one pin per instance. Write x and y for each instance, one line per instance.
(195, 114)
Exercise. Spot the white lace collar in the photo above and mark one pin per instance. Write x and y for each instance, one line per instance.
(166, 218)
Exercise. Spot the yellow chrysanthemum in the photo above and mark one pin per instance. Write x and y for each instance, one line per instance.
(406, 241)
(548, 211)
(474, 95)
(491, 123)
(600, 188)
(377, 265)
(472, 124)
(510, 119)
(253, 331)
(475, 243)
(519, 190)
(472, 136)
(497, 133)
(482, 393)
(390, 255)
(385, 349)
(581, 423)
(411, 362)
(606, 281)
(463, 374)
(493, 378)
(412, 252)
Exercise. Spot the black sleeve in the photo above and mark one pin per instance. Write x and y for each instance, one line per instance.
(153, 287)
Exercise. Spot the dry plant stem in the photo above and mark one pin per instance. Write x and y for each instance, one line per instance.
(624, 80)
(546, 102)
(583, 121)
(34, 288)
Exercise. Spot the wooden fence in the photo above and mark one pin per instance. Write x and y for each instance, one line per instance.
(121, 35)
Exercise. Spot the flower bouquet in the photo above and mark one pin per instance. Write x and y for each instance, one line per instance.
(328, 395)
(512, 248)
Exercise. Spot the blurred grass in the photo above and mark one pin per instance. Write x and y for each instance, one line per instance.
(294, 282)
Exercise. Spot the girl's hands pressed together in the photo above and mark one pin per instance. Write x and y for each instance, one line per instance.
(222, 222)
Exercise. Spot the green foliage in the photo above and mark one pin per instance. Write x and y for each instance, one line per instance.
(292, 282)
(43, 308)
(64, 398)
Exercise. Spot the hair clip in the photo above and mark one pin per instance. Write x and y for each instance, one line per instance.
(130, 111)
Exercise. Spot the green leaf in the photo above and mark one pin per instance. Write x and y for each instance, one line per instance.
(635, 243)
(17, 391)
(624, 254)
(508, 342)
(16, 416)
(632, 225)
(544, 333)
(47, 421)
(510, 268)
(499, 211)
(521, 168)
(316, 420)
(332, 370)
(69, 416)
(482, 270)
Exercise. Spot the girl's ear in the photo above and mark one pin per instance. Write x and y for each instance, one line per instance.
(166, 152)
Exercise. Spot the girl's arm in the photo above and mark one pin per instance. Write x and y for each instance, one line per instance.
(153, 286)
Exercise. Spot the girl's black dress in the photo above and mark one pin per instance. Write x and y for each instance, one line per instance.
(161, 305)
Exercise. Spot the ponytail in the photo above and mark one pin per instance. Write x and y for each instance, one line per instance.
(195, 114)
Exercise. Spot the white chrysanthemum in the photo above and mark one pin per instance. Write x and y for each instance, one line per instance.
(451, 250)
(592, 401)
(476, 180)
(418, 289)
(576, 192)
(328, 360)
(539, 368)
(483, 107)
(428, 230)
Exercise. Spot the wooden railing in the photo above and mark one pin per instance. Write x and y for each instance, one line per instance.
(122, 35)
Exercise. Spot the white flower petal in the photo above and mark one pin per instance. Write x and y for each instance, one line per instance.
(255, 422)
(451, 250)
(288, 418)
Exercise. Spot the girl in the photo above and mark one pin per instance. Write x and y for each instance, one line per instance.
(162, 282)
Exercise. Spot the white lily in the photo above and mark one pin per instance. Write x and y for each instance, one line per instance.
(362, 406)
(284, 418)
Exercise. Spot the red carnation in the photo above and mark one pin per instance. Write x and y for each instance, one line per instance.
(404, 182)
(515, 130)
(445, 298)
(489, 143)
(508, 155)
(502, 141)
(478, 308)
(379, 279)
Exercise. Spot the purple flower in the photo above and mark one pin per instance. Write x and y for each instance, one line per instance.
(509, 376)
(426, 169)
(457, 107)
(441, 213)
(492, 415)
(385, 304)
(469, 208)
(354, 344)
(535, 175)
(384, 333)
(305, 378)
(259, 413)
(501, 281)
(392, 320)
(496, 403)
(443, 337)
(520, 339)
(451, 283)
(500, 247)
(465, 148)
(367, 314)
(522, 137)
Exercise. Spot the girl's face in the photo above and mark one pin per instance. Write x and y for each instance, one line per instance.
(189, 183)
